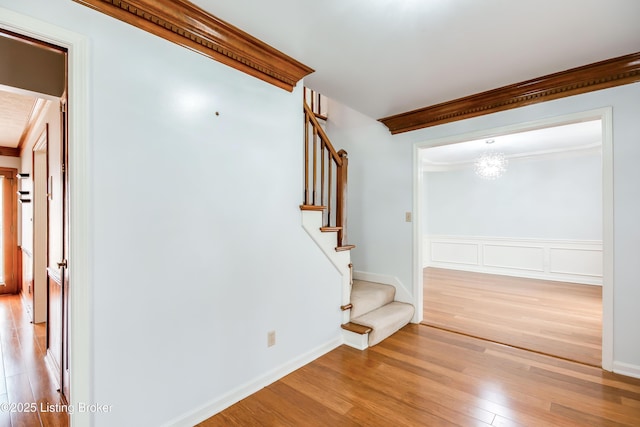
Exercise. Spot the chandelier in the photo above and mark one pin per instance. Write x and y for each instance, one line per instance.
(490, 165)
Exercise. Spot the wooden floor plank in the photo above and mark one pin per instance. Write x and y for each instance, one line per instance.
(27, 379)
(427, 376)
(20, 395)
(555, 318)
(5, 416)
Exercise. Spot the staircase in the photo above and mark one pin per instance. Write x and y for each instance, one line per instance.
(370, 312)
(374, 308)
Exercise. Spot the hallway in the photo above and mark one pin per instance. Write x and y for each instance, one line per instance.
(26, 384)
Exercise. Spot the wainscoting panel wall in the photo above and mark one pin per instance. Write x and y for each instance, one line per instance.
(576, 261)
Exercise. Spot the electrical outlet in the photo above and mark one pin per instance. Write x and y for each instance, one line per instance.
(271, 338)
(407, 216)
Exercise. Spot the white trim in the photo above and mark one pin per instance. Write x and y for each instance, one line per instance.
(590, 150)
(575, 261)
(80, 355)
(608, 239)
(626, 369)
(605, 114)
(418, 276)
(214, 406)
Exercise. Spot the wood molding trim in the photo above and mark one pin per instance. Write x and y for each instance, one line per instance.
(312, 208)
(600, 75)
(10, 151)
(185, 24)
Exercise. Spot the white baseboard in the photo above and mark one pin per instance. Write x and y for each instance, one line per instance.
(213, 407)
(576, 261)
(626, 369)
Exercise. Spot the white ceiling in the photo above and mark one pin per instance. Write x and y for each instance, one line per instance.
(574, 137)
(15, 112)
(383, 57)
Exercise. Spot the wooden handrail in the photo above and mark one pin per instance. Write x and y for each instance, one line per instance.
(325, 176)
(311, 118)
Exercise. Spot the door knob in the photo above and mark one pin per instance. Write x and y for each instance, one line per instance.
(62, 263)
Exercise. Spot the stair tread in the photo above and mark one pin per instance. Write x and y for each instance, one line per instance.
(328, 229)
(354, 327)
(312, 208)
(344, 248)
(368, 296)
(386, 320)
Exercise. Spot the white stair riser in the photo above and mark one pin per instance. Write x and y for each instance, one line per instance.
(352, 339)
(386, 320)
(366, 297)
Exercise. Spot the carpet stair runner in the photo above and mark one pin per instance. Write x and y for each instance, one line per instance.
(375, 308)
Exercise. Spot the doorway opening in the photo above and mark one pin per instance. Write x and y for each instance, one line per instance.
(79, 184)
(519, 251)
(8, 276)
(33, 91)
(2, 229)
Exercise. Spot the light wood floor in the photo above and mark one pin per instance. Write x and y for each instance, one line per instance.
(424, 376)
(556, 318)
(24, 378)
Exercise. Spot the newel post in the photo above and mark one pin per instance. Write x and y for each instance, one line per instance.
(341, 197)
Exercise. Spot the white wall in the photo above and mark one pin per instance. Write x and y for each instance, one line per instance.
(10, 162)
(381, 190)
(542, 219)
(197, 244)
(577, 261)
(541, 197)
(379, 193)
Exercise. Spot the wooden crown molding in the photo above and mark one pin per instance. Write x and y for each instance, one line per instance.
(600, 75)
(185, 24)
(10, 151)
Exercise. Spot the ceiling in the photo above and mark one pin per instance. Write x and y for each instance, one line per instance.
(15, 113)
(384, 57)
(574, 137)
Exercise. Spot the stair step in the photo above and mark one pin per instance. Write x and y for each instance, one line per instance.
(312, 208)
(329, 229)
(368, 296)
(354, 327)
(344, 248)
(385, 320)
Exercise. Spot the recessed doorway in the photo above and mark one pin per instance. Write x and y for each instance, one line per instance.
(493, 248)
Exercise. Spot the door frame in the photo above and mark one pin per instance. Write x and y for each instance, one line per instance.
(10, 245)
(40, 221)
(80, 230)
(606, 116)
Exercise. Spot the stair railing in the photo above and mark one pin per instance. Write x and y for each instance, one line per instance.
(314, 100)
(325, 178)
